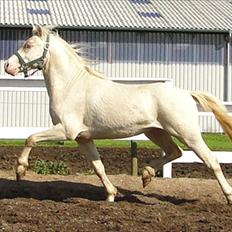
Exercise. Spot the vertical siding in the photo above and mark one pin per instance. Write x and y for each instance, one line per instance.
(24, 108)
(230, 74)
(196, 62)
(208, 123)
(193, 61)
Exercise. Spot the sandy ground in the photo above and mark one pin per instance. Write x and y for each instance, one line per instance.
(77, 202)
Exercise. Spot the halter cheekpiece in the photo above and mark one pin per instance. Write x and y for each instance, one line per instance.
(24, 67)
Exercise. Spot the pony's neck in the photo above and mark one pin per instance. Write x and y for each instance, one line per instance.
(62, 70)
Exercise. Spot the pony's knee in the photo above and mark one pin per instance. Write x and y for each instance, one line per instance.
(30, 141)
(83, 137)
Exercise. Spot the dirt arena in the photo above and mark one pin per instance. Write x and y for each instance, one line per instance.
(192, 201)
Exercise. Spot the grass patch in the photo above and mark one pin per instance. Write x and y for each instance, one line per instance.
(218, 142)
(214, 141)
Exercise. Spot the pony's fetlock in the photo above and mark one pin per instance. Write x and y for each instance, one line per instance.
(229, 199)
(147, 175)
(20, 172)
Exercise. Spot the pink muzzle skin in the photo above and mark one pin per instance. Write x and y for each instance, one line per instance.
(11, 66)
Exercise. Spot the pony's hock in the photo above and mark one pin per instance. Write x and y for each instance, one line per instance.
(83, 101)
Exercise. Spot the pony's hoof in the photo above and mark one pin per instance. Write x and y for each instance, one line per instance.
(20, 172)
(229, 199)
(147, 175)
(111, 196)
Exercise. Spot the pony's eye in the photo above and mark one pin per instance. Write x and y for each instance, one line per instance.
(27, 46)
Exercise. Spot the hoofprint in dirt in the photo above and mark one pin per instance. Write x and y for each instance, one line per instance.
(76, 203)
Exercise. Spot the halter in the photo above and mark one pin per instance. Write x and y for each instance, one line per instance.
(25, 67)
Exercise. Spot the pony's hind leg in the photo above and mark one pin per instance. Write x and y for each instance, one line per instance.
(197, 144)
(164, 140)
(88, 148)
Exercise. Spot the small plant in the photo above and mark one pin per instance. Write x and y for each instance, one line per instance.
(89, 172)
(46, 167)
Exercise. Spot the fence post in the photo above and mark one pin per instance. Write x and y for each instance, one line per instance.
(167, 170)
(134, 159)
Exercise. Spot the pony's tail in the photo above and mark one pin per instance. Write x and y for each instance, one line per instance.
(210, 103)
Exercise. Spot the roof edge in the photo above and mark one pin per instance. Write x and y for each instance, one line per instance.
(178, 30)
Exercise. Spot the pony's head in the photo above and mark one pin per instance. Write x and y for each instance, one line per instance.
(32, 55)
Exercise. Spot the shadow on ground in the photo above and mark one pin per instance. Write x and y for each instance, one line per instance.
(60, 191)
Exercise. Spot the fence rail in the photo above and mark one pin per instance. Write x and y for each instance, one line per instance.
(190, 157)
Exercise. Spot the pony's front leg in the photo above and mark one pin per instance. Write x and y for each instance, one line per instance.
(54, 133)
(89, 149)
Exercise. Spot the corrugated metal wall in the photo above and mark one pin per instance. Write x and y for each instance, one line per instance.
(230, 74)
(24, 107)
(193, 61)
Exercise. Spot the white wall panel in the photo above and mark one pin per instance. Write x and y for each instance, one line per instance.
(24, 107)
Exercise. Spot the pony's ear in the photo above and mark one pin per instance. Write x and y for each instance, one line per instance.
(37, 30)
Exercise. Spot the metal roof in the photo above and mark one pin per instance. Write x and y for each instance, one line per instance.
(212, 15)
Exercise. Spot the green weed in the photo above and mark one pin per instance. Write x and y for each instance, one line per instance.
(45, 167)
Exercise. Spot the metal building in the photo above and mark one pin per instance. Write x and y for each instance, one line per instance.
(187, 41)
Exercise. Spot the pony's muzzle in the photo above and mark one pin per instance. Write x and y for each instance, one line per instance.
(11, 66)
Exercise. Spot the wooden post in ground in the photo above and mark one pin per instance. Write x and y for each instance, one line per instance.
(134, 159)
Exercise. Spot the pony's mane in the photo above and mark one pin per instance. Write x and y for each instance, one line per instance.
(77, 50)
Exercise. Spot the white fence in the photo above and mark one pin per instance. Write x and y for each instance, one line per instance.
(190, 157)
